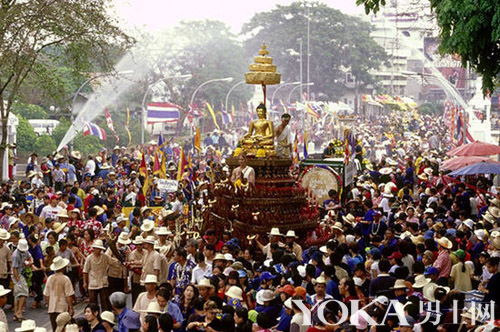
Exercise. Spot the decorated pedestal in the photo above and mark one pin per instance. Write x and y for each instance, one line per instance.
(276, 200)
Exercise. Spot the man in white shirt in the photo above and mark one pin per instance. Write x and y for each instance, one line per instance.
(90, 166)
(51, 210)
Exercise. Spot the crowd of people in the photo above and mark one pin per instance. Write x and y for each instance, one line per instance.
(82, 230)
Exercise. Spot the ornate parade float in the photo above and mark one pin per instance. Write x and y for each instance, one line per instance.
(275, 199)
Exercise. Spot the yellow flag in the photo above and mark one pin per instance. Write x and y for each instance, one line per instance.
(197, 139)
(212, 113)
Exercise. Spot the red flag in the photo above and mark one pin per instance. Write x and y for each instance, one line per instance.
(109, 122)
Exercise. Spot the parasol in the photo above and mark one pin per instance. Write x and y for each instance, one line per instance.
(475, 149)
(462, 161)
(482, 167)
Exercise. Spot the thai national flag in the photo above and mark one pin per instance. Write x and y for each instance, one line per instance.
(93, 129)
(226, 118)
(163, 112)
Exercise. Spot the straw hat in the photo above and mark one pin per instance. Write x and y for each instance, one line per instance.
(145, 208)
(471, 313)
(22, 245)
(31, 174)
(123, 239)
(58, 227)
(26, 325)
(320, 280)
(147, 225)
(399, 284)
(99, 209)
(423, 177)
(275, 231)
(163, 231)
(63, 214)
(204, 283)
(150, 239)
(151, 279)
(220, 256)
(495, 201)
(59, 263)
(13, 220)
(291, 233)
(445, 243)
(138, 240)
(494, 211)
(338, 226)
(421, 281)
(235, 292)
(153, 308)
(385, 170)
(98, 244)
(108, 316)
(488, 217)
(105, 166)
(417, 239)
(61, 320)
(5, 205)
(350, 219)
(76, 155)
(388, 194)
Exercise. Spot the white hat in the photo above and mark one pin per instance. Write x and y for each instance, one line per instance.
(421, 281)
(320, 280)
(291, 233)
(4, 291)
(43, 329)
(150, 239)
(229, 257)
(121, 218)
(5, 205)
(63, 214)
(147, 225)
(108, 316)
(123, 239)
(22, 245)
(469, 223)
(338, 226)
(151, 279)
(98, 244)
(428, 171)
(399, 284)
(445, 243)
(429, 210)
(388, 194)
(138, 240)
(385, 170)
(58, 227)
(382, 300)
(494, 211)
(349, 238)
(26, 325)
(264, 295)
(358, 281)
(481, 234)
(350, 219)
(275, 231)
(153, 308)
(163, 231)
(13, 220)
(235, 292)
(94, 192)
(76, 210)
(72, 328)
(59, 263)
(204, 283)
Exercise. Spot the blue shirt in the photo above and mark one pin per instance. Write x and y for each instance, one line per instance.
(174, 311)
(78, 202)
(128, 320)
(284, 322)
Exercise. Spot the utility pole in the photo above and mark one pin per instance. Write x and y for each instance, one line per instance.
(301, 80)
(308, 47)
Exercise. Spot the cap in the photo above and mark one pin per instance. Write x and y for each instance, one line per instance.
(431, 270)
(266, 276)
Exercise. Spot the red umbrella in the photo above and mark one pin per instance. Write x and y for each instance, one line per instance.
(459, 162)
(475, 149)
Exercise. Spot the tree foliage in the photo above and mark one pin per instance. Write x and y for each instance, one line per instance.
(29, 111)
(26, 136)
(337, 42)
(469, 29)
(44, 145)
(36, 35)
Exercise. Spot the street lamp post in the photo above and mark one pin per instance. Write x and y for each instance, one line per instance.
(187, 76)
(231, 90)
(298, 86)
(279, 87)
(226, 79)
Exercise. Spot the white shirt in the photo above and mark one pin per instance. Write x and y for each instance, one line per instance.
(90, 167)
(50, 212)
(198, 273)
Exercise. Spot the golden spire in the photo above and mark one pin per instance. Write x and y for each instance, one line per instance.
(263, 71)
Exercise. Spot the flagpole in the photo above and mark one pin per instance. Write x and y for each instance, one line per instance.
(227, 79)
(143, 114)
(231, 90)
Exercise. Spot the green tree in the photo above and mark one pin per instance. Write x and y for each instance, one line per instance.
(338, 43)
(26, 136)
(44, 145)
(29, 111)
(61, 129)
(469, 29)
(87, 144)
(36, 34)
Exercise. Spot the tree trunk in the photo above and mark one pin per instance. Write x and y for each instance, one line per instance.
(3, 143)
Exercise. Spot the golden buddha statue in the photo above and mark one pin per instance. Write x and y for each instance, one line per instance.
(260, 133)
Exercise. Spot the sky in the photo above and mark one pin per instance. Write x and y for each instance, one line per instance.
(156, 15)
